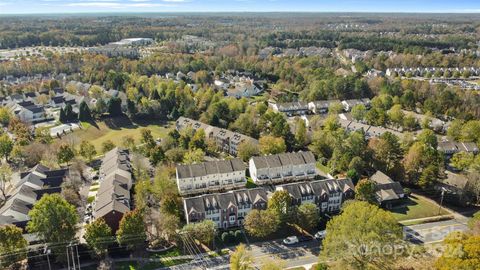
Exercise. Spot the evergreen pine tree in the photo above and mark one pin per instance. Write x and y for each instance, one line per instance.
(84, 112)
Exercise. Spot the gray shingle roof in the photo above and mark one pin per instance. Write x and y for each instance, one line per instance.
(209, 168)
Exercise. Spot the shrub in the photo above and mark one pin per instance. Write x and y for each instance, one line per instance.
(238, 235)
(225, 237)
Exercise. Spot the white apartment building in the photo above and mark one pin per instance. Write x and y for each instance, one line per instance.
(282, 168)
(210, 176)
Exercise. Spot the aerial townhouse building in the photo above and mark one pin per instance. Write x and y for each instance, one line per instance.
(113, 198)
(210, 176)
(327, 194)
(227, 141)
(284, 167)
(227, 210)
(321, 106)
(291, 108)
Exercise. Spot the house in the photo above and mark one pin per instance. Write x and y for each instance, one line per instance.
(29, 188)
(291, 108)
(113, 198)
(387, 191)
(451, 147)
(328, 194)
(246, 89)
(27, 111)
(210, 176)
(226, 140)
(321, 106)
(455, 188)
(282, 168)
(227, 210)
(350, 103)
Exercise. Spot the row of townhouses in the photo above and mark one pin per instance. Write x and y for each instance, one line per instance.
(225, 209)
(370, 131)
(452, 147)
(214, 176)
(229, 209)
(29, 188)
(113, 198)
(210, 176)
(422, 71)
(227, 141)
(281, 168)
(316, 107)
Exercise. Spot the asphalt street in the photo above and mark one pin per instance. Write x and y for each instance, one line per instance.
(433, 232)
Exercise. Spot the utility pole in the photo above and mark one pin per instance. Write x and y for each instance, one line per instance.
(47, 251)
(78, 257)
(441, 201)
(68, 258)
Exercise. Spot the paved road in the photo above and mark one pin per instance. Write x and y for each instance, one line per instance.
(296, 255)
(435, 231)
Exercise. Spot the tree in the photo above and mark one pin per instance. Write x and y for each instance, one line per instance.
(194, 156)
(53, 220)
(114, 106)
(365, 191)
(97, 235)
(246, 150)
(358, 236)
(157, 155)
(281, 204)
(387, 152)
(358, 112)
(5, 116)
(147, 138)
(261, 223)
(107, 146)
(5, 179)
(203, 231)
(428, 177)
(65, 154)
(198, 140)
(84, 113)
(87, 150)
(272, 145)
(307, 215)
(301, 138)
(128, 142)
(131, 231)
(461, 252)
(6, 146)
(241, 259)
(462, 160)
(13, 247)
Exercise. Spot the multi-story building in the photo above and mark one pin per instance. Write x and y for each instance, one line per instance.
(328, 194)
(321, 106)
(227, 210)
(291, 108)
(282, 168)
(350, 103)
(29, 188)
(113, 197)
(452, 147)
(210, 176)
(226, 140)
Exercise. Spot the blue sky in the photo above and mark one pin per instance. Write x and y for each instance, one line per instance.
(74, 6)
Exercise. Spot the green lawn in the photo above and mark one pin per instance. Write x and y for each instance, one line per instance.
(116, 128)
(417, 207)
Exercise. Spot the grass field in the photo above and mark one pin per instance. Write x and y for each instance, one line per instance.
(417, 207)
(117, 128)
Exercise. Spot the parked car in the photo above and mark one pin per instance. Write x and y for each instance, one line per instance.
(290, 240)
(321, 234)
